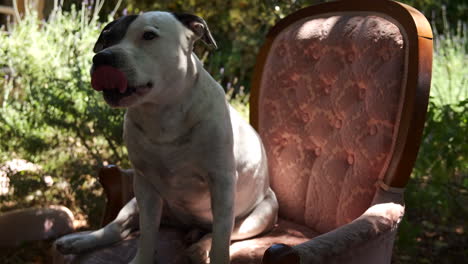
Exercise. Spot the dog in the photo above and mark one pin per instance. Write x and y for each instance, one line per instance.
(195, 161)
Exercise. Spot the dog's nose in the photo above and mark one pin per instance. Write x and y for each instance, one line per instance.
(105, 57)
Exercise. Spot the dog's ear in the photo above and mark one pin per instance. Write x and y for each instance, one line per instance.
(101, 42)
(198, 26)
(113, 32)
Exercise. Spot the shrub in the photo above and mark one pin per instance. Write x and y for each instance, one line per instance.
(450, 81)
(49, 115)
(437, 194)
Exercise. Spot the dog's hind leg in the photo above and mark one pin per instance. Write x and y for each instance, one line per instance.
(260, 220)
(125, 222)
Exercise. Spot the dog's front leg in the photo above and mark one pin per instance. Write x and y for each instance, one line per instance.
(150, 204)
(222, 189)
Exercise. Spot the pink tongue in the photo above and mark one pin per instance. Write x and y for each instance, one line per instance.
(108, 78)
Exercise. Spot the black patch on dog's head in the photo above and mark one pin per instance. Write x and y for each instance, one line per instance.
(113, 32)
(198, 26)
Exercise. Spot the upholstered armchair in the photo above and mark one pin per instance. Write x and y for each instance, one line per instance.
(339, 98)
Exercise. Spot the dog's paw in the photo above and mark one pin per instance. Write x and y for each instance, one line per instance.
(199, 253)
(75, 243)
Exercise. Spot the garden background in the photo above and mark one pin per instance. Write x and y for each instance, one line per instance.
(55, 131)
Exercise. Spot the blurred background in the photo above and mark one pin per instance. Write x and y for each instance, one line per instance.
(55, 131)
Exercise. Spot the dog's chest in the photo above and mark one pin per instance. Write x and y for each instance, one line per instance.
(170, 164)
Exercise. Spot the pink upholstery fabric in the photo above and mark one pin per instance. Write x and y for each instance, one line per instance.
(366, 240)
(251, 251)
(329, 109)
(171, 247)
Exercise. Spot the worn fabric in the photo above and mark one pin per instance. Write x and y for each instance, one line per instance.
(367, 239)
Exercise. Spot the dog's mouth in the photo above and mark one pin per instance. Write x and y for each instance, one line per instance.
(114, 96)
(114, 85)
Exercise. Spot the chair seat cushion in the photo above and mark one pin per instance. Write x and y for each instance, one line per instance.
(171, 247)
(251, 251)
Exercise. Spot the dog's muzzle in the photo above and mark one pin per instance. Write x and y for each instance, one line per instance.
(109, 79)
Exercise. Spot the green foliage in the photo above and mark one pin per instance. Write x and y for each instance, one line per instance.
(437, 195)
(450, 82)
(49, 114)
(436, 10)
(47, 91)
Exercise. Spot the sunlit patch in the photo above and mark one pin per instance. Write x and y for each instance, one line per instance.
(4, 183)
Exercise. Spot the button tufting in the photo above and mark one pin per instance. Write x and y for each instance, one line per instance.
(350, 159)
(350, 57)
(362, 93)
(372, 130)
(318, 151)
(338, 123)
(283, 142)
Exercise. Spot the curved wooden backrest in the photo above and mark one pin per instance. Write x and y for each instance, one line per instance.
(419, 65)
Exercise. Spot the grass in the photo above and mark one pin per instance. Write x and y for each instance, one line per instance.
(450, 71)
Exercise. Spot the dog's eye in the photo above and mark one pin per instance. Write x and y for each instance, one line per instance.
(149, 35)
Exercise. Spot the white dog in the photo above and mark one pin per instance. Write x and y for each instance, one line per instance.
(191, 152)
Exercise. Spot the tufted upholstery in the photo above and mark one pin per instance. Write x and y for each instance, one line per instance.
(329, 111)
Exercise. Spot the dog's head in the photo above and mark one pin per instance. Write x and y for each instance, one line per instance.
(147, 57)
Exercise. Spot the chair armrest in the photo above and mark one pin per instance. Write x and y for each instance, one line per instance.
(118, 187)
(378, 221)
(281, 254)
(111, 180)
